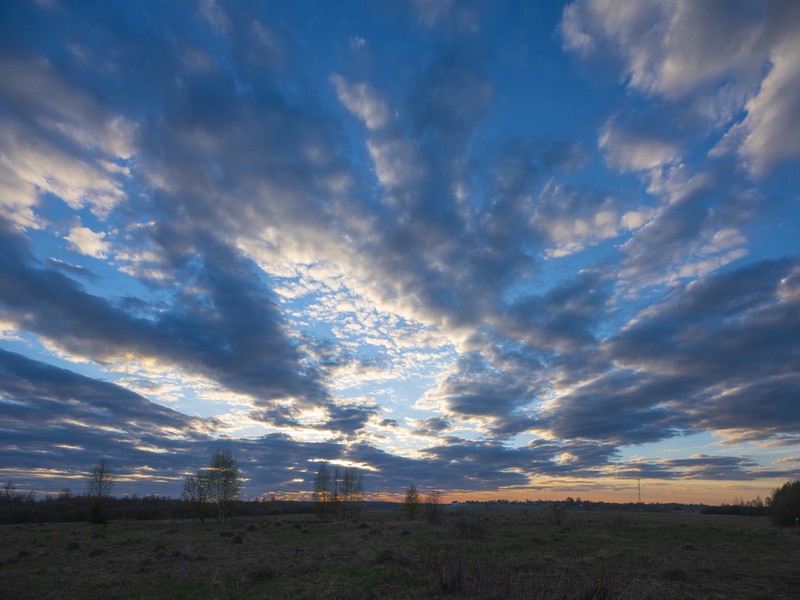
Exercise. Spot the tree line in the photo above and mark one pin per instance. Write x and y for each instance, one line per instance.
(338, 493)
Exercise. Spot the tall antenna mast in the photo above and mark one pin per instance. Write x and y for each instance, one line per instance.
(639, 488)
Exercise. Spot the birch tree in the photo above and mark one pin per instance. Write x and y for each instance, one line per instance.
(223, 482)
(323, 492)
(351, 490)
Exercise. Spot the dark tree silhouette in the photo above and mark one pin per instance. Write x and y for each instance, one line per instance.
(323, 492)
(98, 487)
(411, 502)
(432, 507)
(196, 490)
(784, 503)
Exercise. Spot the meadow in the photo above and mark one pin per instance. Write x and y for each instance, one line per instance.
(484, 554)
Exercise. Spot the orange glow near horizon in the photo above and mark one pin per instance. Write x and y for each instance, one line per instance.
(621, 491)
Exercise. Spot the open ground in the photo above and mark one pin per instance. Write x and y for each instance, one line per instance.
(470, 554)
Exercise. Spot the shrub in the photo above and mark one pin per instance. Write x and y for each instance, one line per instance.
(411, 501)
(557, 514)
(457, 572)
(468, 527)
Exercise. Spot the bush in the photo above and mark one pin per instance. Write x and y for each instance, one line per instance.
(468, 527)
(784, 503)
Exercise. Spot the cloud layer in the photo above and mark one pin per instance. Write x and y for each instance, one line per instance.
(360, 238)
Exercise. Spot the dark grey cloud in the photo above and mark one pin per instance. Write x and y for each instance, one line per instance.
(623, 408)
(436, 424)
(510, 367)
(61, 422)
(75, 420)
(519, 163)
(230, 331)
(730, 325)
(718, 355)
(564, 319)
(713, 467)
(696, 466)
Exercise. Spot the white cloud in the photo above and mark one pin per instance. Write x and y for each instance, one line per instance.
(88, 242)
(572, 219)
(704, 266)
(17, 196)
(716, 51)
(634, 219)
(668, 47)
(9, 331)
(33, 165)
(38, 154)
(772, 126)
(363, 101)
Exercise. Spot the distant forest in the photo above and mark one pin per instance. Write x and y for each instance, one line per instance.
(26, 508)
(18, 507)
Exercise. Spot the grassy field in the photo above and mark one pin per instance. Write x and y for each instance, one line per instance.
(477, 554)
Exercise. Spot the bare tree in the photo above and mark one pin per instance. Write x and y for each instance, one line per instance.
(351, 490)
(411, 502)
(196, 490)
(337, 491)
(323, 492)
(432, 507)
(9, 497)
(224, 484)
(98, 487)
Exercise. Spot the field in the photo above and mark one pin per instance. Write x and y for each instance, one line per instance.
(474, 554)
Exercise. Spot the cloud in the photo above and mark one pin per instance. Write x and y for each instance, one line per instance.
(563, 319)
(88, 242)
(240, 343)
(693, 232)
(690, 364)
(47, 409)
(363, 101)
(772, 113)
(572, 219)
(635, 149)
(47, 123)
(365, 258)
(714, 51)
(669, 48)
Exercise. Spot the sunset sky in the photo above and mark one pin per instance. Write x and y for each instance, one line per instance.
(507, 249)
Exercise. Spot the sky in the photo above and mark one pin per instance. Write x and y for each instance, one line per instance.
(505, 249)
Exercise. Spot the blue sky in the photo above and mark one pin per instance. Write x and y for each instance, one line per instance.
(503, 249)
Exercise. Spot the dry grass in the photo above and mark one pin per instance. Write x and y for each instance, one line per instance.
(479, 554)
